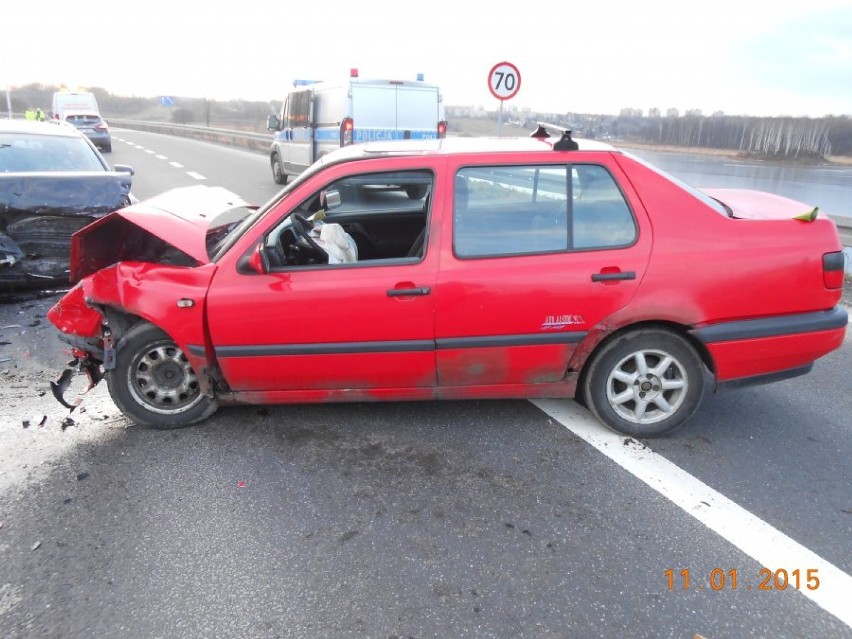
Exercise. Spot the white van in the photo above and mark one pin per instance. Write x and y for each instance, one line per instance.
(68, 102)
(317, 118)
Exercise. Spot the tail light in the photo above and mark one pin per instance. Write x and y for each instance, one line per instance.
(101, 126)
(442, 129)
(346, 128)
(833, 269)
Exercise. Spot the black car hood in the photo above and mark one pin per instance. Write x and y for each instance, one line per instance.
(90, 194)
(38, 214)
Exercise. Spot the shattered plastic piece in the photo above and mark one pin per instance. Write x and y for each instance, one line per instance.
(82, 476)
(61, 385)
(67, 422)
(241, 484)
(36, 545)
(43, 421)
(26, 423)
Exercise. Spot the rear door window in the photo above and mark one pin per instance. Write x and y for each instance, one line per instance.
(520, 210)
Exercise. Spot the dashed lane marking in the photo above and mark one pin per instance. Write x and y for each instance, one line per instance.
(753, 536)
(195, 175)
(177, 165)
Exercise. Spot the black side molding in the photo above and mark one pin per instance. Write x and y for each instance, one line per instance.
(768, 378)
(773, 326)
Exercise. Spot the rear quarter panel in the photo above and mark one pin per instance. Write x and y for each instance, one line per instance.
(708, 268)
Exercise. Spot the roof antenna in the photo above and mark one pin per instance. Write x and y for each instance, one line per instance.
(565, 143)
(540, 132)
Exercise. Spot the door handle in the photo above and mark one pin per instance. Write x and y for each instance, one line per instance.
(402, 292)
(607, 277)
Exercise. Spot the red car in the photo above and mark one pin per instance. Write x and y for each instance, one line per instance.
(454, 269)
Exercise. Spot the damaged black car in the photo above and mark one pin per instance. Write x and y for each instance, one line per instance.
(53, 182)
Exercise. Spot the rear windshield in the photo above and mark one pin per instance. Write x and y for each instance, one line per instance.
(22, 152)
(716, 205)
(77, 120)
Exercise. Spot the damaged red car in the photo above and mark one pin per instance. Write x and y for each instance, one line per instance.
(454, 269)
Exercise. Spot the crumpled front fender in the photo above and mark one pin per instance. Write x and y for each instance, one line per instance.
(74, 318)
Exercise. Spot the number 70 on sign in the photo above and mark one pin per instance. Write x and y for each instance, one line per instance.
(504, 80)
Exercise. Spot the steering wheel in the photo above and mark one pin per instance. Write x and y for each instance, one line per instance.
(302, 229)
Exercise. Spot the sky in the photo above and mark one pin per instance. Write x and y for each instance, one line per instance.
(741, 57)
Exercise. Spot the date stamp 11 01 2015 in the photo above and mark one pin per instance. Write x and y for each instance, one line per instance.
(733, 579)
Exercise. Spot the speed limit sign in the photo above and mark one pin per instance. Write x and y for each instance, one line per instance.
(504, 80)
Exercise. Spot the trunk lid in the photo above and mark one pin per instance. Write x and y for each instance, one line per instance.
(759, 205)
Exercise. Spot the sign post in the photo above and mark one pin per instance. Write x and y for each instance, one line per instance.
(504, 82)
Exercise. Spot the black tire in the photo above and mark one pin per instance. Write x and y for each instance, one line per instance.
(153, 383)
(107, 148)
(650, 403)
(278, 174)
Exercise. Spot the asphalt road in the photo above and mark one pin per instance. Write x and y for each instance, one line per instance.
(453, 519)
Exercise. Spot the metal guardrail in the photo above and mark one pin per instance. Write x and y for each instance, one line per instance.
(261, 142)
(245, 139)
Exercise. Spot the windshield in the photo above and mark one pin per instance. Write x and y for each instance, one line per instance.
(225, 235)
(22, 152)
(715, 204)
(222, 225)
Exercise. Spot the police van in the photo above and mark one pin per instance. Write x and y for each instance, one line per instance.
(318, 117)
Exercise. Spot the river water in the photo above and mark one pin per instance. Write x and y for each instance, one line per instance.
(828, 187)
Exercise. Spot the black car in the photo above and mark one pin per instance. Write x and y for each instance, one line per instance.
(53, 181)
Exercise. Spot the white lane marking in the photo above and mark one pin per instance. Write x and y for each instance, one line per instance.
(141, 148)
(760, 541)
(150, 151)
(177, 165)
(195, 175)
(161, 157)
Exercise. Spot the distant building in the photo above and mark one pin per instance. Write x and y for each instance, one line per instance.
(631, 113)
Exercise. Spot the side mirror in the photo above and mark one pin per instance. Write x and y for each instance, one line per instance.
(272, 123)
(331, 198)
(124, 168)
(258, 260)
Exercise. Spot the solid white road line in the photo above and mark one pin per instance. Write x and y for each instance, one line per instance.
(760, 541)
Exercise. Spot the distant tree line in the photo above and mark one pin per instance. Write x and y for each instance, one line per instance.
(785, 138)
(779, 137)
(240, 114)
(772, 137)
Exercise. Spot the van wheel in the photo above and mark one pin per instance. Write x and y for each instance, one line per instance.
(277, 170)
(153, 383)
(645, 383)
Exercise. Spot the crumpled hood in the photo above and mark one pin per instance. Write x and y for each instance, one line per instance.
(177, 219)
(749, 204)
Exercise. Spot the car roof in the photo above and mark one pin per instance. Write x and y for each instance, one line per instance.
(38, 128)
(460, 146)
